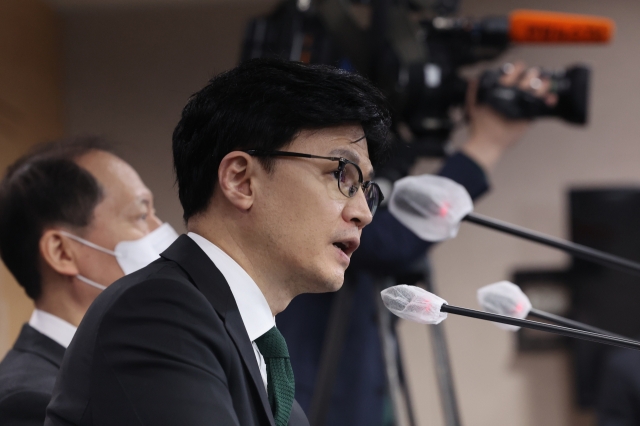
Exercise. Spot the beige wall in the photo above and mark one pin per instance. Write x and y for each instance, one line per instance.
(30, 111)
(129, 73)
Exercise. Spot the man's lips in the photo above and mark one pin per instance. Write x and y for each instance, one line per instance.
(347, 245)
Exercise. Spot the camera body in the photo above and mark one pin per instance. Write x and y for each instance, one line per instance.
(413, 51)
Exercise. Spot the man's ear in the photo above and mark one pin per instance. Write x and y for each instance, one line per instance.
(235, 176)
(58, 253)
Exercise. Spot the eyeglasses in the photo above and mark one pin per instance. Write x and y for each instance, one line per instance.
(348, 174)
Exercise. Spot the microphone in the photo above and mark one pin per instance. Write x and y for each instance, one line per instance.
(418, 305)
(532, 26)
(506, 298)
(432, 207)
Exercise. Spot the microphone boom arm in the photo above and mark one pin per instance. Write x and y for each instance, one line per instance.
(574, 249)
(563, 331)
(536, 313)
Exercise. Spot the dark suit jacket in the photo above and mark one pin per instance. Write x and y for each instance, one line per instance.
(27, 375)
(164, 346)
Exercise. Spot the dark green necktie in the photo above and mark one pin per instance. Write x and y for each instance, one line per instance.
(280, 384)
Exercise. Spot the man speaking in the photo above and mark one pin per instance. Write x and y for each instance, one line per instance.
(274, 166)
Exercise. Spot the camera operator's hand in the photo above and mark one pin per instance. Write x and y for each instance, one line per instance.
(490, 133)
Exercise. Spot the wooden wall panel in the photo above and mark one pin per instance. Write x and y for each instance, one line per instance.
(31, 111)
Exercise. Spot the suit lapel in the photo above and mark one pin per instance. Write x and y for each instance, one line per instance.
(212, 284)
(238, 333)
(32, 341)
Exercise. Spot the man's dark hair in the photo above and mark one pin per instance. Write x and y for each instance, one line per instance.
(263, 104)
(42, 189)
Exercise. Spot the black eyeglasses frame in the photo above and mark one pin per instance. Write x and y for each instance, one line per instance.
(342, 162)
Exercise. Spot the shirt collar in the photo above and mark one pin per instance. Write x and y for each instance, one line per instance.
(53, 327)
(254, 309)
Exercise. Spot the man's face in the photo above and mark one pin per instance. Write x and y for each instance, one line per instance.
(125, 213)
(306, 227)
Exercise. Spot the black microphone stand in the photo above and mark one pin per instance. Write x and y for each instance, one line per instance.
(536, 313)
(574, 249)
(564, 331)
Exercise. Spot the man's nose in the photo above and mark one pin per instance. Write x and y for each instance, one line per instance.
(153, 222)
(357, 210)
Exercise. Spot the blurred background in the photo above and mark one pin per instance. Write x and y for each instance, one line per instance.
(123, 69)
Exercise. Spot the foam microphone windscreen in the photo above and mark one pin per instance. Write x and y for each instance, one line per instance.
(532, 26)
(414, 304)
(430, 206)
(504, 298)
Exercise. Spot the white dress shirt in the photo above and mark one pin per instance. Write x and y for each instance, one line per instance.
(254, 309)
(53, 327)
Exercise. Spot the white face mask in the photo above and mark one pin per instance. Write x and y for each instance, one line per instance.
(135, 254)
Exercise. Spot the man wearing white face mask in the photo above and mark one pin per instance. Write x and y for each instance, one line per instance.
(132, 255)
(73, 219)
